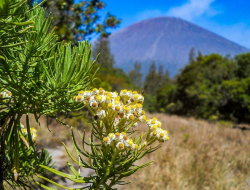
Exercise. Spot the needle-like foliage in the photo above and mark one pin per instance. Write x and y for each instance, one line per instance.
(38, 76)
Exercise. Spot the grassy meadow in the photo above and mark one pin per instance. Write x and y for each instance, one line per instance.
(199, 155)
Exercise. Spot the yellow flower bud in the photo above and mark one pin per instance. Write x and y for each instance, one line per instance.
(154, 127)
(139, 105)
(130, 143)
(117, 108)
(126, 108)
(111, 135)
(79, 97)
(136, 146)
(136, 96)
(105, 139)
(131, 117)
(99, 98)
(121, 145)
(123, 133)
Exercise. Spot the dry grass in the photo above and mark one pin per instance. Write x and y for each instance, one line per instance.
(199, 155)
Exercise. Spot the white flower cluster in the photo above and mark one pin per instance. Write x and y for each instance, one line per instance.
(127, 107)
(120, 140)
(156, 131)
(120, 113)
(33, 131)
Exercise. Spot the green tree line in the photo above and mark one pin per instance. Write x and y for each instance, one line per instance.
(210, 87)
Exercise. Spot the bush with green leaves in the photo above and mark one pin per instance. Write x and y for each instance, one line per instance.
(209, 86)
(38, 76)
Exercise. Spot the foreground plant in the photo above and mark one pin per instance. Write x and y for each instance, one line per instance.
(115, 145)
(38, 76)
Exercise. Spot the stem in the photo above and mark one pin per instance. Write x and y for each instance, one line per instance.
(1, 175)
(1, 162)
(107, 170)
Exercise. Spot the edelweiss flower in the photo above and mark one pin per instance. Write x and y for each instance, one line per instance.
(134, 147)
(94, 105)
(120, 145)
(112, 136)
(107, 140)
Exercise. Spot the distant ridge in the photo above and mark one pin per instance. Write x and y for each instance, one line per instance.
(167, 41)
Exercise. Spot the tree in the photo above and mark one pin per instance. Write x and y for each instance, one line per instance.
(38, 77)
(105, 58)
(78, 21)
(151, 80)
(163, 78)
(192, 55)
(155, 80)
(209, 86)
(243, 65)
(136, 75)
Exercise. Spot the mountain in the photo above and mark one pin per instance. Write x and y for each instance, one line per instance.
(167, 41)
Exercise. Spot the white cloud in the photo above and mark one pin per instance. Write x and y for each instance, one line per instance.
(149, 14)
(193, 9)
(200, 12)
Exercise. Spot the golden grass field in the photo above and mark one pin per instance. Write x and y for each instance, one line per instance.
(199, 155)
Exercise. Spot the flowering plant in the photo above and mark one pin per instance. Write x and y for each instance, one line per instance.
(38, 76)
(115, 145)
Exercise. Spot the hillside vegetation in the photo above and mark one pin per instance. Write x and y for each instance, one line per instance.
(211, 87)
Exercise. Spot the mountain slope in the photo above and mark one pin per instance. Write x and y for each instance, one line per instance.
(166, 41)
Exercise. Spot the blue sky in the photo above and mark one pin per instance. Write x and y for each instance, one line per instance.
(228, 18)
